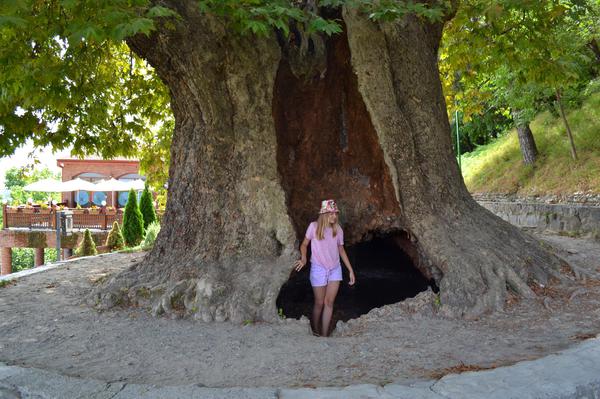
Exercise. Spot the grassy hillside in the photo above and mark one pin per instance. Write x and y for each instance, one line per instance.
(498, 167)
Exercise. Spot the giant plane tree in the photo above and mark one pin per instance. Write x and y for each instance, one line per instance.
(277, 104)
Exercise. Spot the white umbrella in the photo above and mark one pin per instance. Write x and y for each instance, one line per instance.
(45, 185)
(77, 185)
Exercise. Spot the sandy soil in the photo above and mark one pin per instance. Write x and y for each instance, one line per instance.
(44, 324)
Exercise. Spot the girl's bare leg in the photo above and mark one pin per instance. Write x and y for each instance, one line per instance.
(318, 308)
(330, 294)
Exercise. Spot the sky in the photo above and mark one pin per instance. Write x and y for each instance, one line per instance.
(21, 158)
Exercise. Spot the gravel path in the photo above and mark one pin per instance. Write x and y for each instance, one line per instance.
(44, 324)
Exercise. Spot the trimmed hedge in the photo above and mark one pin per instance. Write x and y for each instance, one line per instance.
(115, 239)
(87, 246)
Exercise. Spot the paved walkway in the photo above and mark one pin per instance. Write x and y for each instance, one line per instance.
(573, 373)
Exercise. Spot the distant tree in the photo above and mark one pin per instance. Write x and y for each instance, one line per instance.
(511, 54)
(115, 238)
(147, 208)
(87, 246)
(133, 221)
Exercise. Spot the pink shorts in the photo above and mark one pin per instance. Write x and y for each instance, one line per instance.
(320, 276)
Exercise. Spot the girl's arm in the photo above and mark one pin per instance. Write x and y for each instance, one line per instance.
(303, 247)
(346, 261)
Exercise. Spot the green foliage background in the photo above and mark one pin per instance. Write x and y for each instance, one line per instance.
(23, 258)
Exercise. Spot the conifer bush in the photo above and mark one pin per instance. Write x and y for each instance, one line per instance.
(87, 246)
(147, 208)
(115, 239)
(133, 222)
(151, 234)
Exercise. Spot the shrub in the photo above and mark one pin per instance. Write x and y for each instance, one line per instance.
(87, 246)
(147, 208)
(151, 234)
(115, 238)
(133, 223)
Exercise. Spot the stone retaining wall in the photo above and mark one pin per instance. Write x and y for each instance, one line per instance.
(564, 219)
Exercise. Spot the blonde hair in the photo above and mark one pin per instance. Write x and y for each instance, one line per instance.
(322, 223)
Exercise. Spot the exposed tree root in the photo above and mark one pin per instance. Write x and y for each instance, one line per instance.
(214, 292)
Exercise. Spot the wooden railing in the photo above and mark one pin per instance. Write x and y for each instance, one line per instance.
(36, 218)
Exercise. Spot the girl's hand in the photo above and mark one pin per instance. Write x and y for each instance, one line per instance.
(299, 264)
(352, 278)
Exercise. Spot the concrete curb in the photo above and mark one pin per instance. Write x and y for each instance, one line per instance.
(572, 373)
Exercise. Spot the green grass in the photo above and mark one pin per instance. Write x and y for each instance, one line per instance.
(498, 167)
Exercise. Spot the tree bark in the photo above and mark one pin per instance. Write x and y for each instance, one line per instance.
(526, 141)
(225, 235)
(593, 45)
(476, 254)
(261, 137)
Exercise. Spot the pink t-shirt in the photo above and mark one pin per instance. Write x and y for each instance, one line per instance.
(325, 252)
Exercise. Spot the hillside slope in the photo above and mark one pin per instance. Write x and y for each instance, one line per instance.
(498, 167)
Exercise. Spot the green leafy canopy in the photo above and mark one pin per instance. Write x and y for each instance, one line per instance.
(511, 53)
(68, 79)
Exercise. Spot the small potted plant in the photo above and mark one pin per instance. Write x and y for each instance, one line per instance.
(45, 209)
(110, 210)
(94, 210)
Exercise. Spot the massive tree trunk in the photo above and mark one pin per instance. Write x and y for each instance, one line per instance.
(265, 129)
(526, 140)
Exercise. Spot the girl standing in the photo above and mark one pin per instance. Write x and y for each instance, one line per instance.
(326, 239)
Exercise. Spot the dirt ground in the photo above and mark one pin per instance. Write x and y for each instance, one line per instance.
(44, 324)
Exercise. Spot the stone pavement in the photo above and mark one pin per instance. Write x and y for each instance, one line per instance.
(572, 373)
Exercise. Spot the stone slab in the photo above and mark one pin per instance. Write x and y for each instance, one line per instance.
(30, 383)
(135, 391)
(573, 373)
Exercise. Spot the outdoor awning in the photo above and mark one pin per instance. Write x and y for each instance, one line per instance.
(137, 184)
(45, 185)
(112, 185)
(55, 186)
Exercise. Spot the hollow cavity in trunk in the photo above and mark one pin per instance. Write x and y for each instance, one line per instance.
(385, 274)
